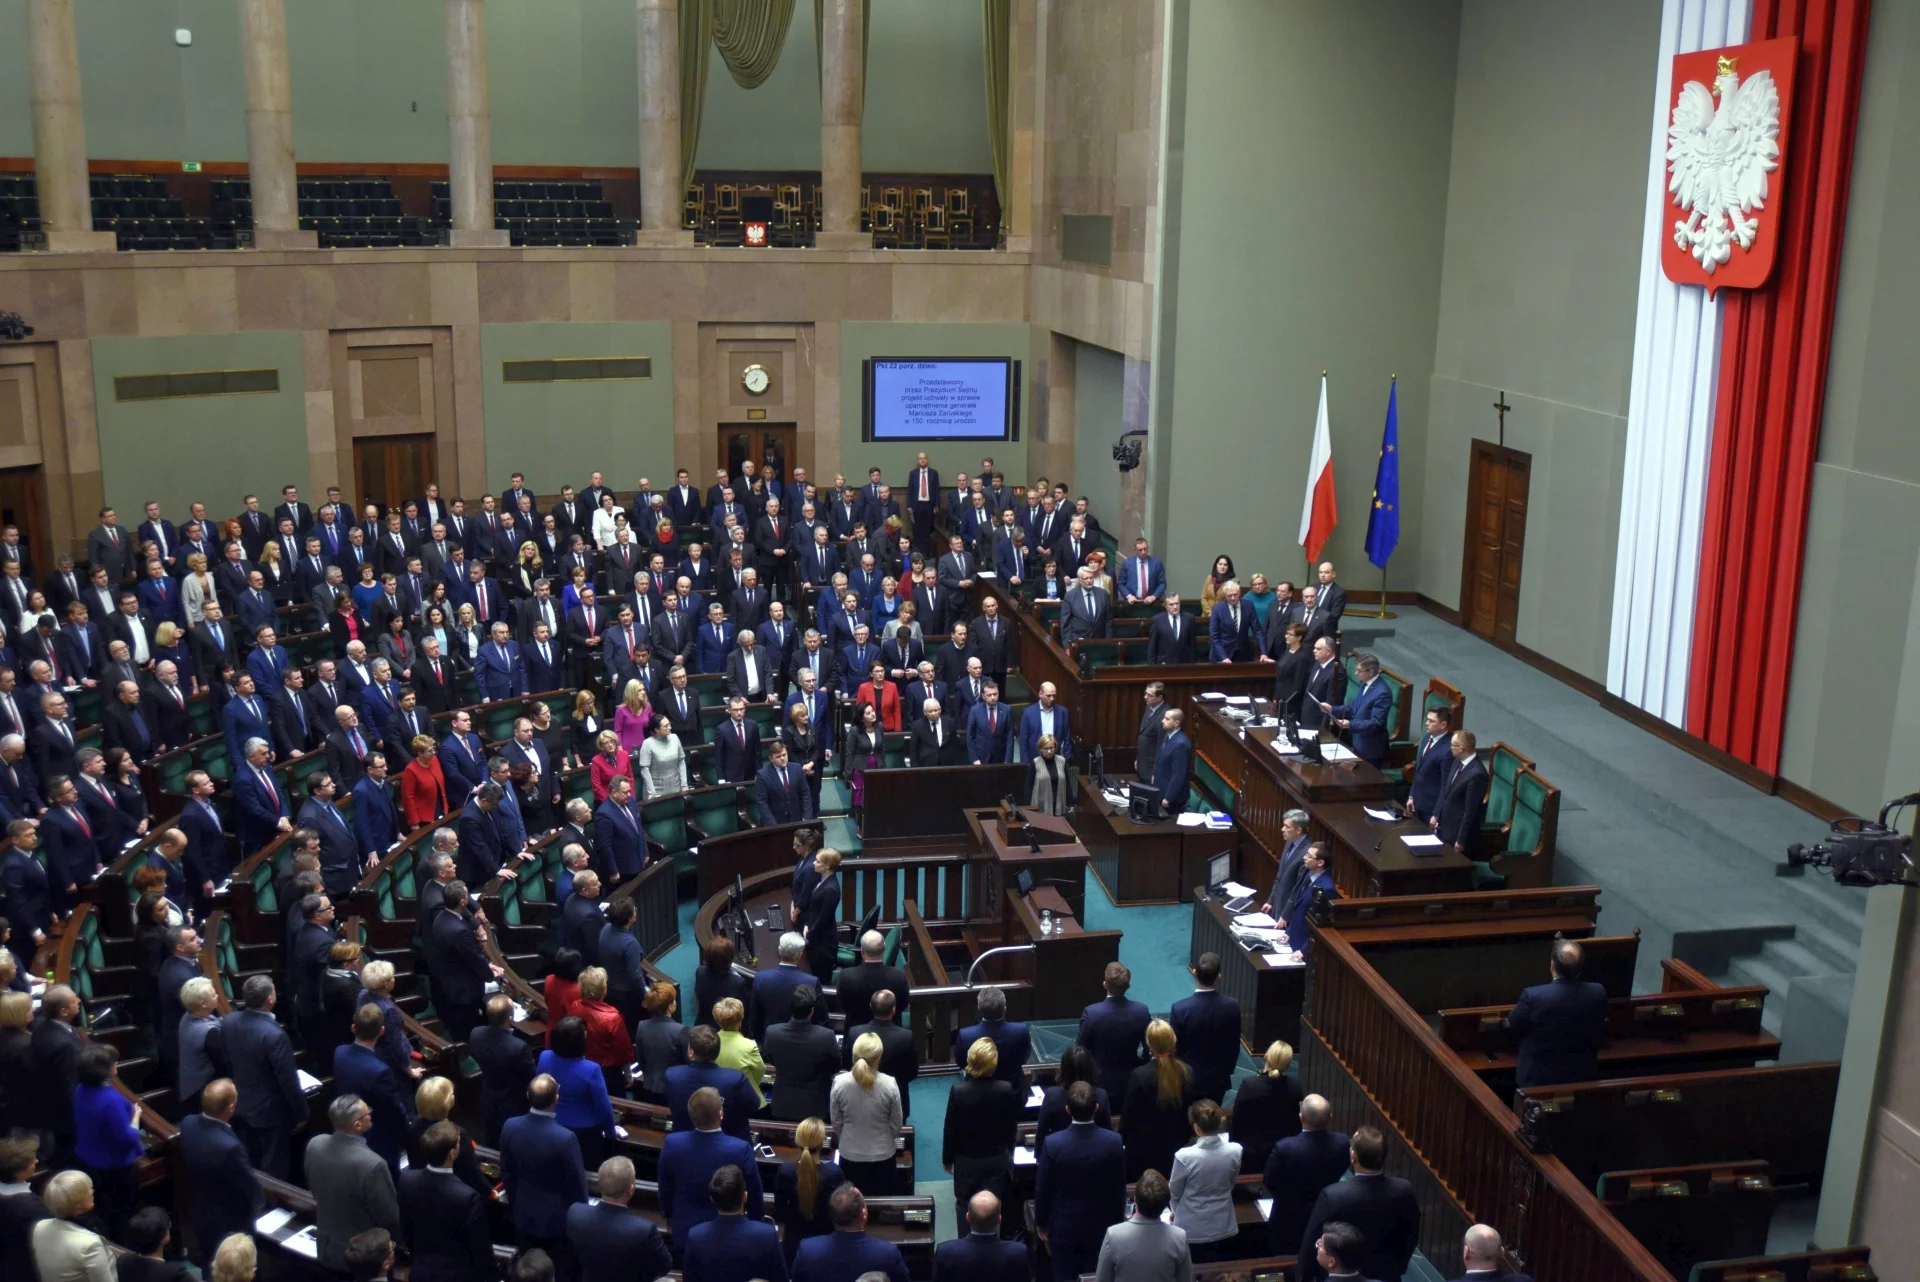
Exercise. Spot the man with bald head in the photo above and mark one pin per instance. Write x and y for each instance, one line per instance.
(227, 1195)
(1560, 1024)
(934, 741)
(981, 1256)
(1480, 1253)
(1298, 1168)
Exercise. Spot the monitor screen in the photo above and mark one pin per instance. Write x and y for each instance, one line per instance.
(955, 399)
(1220, 868)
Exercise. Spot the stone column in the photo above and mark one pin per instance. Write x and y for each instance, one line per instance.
(842, 96)
(662, 195)
(59, 129)
(470, 129)
(270, 174)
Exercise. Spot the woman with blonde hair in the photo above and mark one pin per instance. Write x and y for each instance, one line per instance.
(236, 1259)
(802, 1188)
(1266, 1109)
(1153, 1115)
(737, 1050)
(633, 717)
(584, 727)
(866, 1114)
(609, 1044)
(433, 1103)
(275, 578)
(196, 589)
(1050, 795)
(376, 989)
(609, 763)
(169, 646)
(64, 1250)
(983, 1116)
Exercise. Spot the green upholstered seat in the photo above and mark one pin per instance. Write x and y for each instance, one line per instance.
(665, 821)
(200, 718)
(714, 811)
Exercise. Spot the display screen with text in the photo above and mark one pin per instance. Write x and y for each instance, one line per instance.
(940, 400)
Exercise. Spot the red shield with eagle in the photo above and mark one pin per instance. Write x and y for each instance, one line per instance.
(1726, 163)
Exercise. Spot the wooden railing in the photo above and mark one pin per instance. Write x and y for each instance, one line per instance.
(1390, 1063)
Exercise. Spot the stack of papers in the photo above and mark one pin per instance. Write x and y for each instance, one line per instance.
(308, 1082)
(306, 1242)
(519, 1013)
(1280, 744)
(1255, 921)
(1420, 841)
(1211, 696)
(273, 1221)
(1281, 959)
(1234, 889)
(1239, 700)
(1035, 1097)
(1337, 752)
(1205, 819)
(1384, 816)
(1024, 1156)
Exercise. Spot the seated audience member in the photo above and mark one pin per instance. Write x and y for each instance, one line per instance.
(981, 1255)
(1143, 1249)
(1266, 1108)
(801, 1187)
(1201, 1186)
(732, 1246)
(1561, 1024)
(1382, 1207)
(847, 1253)
(611, 1243)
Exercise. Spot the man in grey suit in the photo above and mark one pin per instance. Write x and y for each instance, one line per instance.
(1085, 613)
(109, 548)
(352, 1186)
(1142, 1249)
(1293, 849)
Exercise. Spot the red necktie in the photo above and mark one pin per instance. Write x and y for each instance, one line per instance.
(482, 594)
(266, 781)
(79, 819)
(743, 734)
(993, 721)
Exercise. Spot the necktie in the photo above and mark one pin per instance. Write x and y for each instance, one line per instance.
(178, 700)
(592, 627)
(266, 781)
(743, 734)
(481, 593)
(783, 779)
(544, 657)
(436, 669)
(219, 638)
(1236, 620)
(75, 812)
(1143, 577)
(993, 720)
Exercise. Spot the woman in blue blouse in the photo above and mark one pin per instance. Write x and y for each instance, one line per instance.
(584, 1107)
(105, 1136)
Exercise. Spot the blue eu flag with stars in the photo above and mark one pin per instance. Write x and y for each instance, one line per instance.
(1383, 522)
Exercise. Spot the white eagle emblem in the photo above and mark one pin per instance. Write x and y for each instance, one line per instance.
(1719, 158)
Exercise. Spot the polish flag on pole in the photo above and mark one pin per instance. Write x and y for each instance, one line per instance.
(1318, 511)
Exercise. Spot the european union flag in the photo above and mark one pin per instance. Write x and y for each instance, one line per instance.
(1383, 523)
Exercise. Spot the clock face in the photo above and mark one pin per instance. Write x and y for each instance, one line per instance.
(756, 379)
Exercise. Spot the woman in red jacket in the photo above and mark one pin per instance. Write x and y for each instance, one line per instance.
(882, 694)
(609, 1044)
(423, 785)
(610, 763)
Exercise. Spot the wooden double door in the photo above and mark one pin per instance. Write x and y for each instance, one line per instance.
(1495, 541)
(389, 470)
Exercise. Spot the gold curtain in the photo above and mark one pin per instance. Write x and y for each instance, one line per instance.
(696, 32)
(998, 15)
(819, 54)
(749, 35)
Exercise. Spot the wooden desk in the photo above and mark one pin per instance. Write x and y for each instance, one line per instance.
(1270, 997)
(1370, 859)
(994, 867)
(746, 853)
(908, 807)
(1064, 966)
(1145, 863)
(1312, 782)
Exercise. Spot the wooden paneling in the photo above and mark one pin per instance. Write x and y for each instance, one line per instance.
(1496, 540)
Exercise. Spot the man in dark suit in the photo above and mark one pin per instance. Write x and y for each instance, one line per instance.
(1080, 1187)
(226, 1194)
(732, 1246)
(126, 723)
(245, 717)
(700, 1072)
(443, 1219)
(857, 984)
(619, 840)
(347, 747)
(1293, 849)
(982, 1256)
(292, 509)
(1233, 630)
(1208, 1026)
(1298, 1168)
(1463, 798)
(340, 862)
(610, 1242)
(1173, 770)
(1114, 1030)
(271, 1103)
(433, 678)
(1316, 621)
(506, 1068)
(1483, 1255)
(736, 745)
(989, 728)
(462, 758)
(1364, 717)
(774, 985)
(262, 810)
(1432, 763)
(690, 1157)
(109, 547)
(750, 674)
(992, 639)
(359, 1069)
(541, 1170)
(1326, 683)
(1381, 1206)
(1331, 602)
(1561, 1024)
(804, 1059)
(545, 664)
(461, 970)
(581, 917)
(182, 963)
(898, 1057)
(848, 1252)
(296, 731)
(780, 791)
(1146, 746)
(1010, 1039)
(935, 741)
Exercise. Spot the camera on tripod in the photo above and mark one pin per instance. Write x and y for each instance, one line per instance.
(1859, 852)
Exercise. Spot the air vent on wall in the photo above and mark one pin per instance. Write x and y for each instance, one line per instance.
(587, 370)
(212, 382)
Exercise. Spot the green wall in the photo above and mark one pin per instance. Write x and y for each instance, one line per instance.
(862, 340)
(1313, 192)
(1542, 308)
(1853, 707)
(559, 433)
(212, 448)
(1097, 423)
(369, 84)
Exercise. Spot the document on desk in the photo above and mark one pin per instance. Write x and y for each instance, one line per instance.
(273, 1221)
(1384, 816)
(1281, 959)
(1036, 1097)
(1234, 889)
(306, 1242)
(1280, 744)
(1256, 921)
(1024, 1156)
(1337, 752)
(1420, 841)
(308, 1082)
